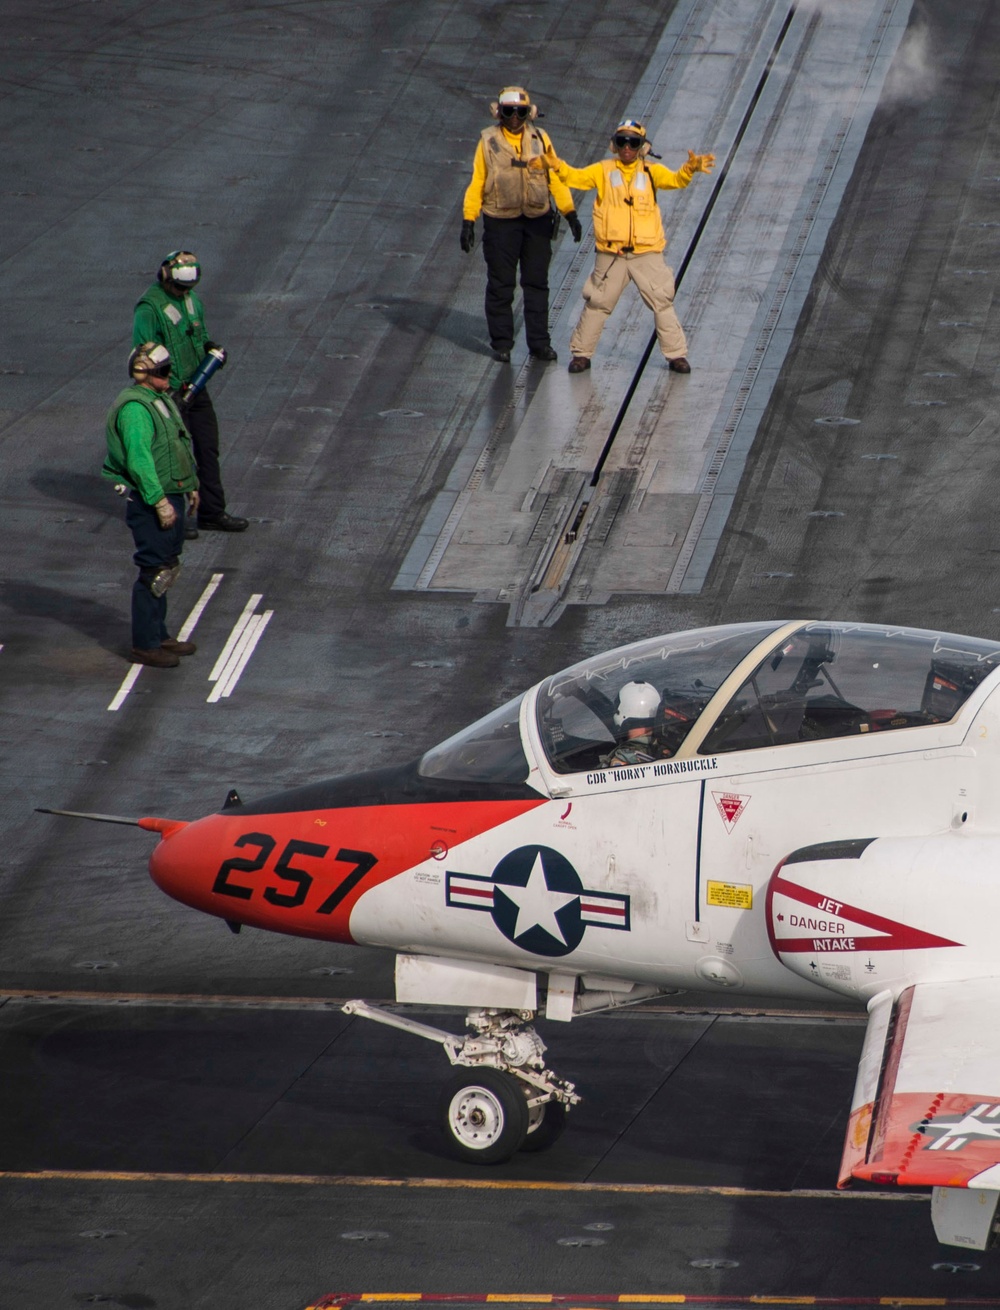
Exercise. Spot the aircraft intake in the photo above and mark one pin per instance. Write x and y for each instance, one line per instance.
(861, 916)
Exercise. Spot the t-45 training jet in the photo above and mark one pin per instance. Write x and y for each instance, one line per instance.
(773, 807)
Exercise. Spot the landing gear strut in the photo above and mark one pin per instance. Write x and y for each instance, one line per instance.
(501, 1099)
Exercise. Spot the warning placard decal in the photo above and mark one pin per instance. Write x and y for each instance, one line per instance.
(732, 895)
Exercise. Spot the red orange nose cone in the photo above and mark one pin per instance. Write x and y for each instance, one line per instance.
(165, 827)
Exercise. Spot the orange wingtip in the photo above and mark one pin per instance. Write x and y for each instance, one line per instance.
(165, 827)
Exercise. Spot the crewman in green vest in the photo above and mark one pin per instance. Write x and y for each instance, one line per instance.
(171, 313)
(151, 462)
(630, 240)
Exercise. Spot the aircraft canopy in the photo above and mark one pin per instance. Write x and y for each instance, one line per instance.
(576, 709)
(731, 689)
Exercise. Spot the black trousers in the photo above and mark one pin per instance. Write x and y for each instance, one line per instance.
(199, 419)
(155, 548)
(509, 244)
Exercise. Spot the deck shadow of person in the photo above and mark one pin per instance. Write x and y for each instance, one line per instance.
(455, 325)
(92, 618)
(85, 490)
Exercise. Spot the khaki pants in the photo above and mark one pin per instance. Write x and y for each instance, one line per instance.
(655, 283)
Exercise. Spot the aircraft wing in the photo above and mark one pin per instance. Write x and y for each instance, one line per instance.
(926, 1110)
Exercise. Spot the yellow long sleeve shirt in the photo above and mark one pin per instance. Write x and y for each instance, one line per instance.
(626, 214)
(472, 204)
(592, 177)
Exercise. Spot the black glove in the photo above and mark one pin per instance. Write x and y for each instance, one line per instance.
(573, 223)
(468, 237)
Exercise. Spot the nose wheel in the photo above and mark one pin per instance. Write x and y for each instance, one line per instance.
(486, 1117)
(484, 1114)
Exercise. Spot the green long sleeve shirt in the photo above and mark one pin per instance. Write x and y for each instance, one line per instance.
(151, 455)
(178, 324)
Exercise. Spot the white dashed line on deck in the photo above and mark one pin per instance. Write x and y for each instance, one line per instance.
(242, 642)
(185, 632)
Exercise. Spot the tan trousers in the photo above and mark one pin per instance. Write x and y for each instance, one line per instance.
(655, 283)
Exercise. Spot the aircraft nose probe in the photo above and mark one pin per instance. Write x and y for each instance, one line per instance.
(163, 826)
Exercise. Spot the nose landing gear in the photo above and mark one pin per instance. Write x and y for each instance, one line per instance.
(501, 1099)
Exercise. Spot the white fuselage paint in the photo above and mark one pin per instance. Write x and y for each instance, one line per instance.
(696, 878)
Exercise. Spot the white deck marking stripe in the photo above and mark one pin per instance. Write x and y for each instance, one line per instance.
(236, 658)
(196, 613)
(126, 686)
(186, 630)
(234, 636)
(248, 625)
(262, 620)
(244, 648)
(252, 638)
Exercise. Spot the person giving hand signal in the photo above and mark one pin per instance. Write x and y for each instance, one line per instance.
(696, 164)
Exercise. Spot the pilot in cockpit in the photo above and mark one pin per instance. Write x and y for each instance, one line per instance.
(634, 718)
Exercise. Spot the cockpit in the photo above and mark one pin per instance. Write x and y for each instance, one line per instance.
(712, 691)
(729, 689)
(576, 710)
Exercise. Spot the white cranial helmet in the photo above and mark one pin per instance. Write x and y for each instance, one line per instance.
(637, 700)
(150, 357)
(181, 268)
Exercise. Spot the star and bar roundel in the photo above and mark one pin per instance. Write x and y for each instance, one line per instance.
(537, 900)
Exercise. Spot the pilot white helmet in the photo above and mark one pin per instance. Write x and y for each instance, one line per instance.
(638, 701)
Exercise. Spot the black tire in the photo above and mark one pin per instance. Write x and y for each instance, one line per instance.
(546, 1124)
(484, 1116)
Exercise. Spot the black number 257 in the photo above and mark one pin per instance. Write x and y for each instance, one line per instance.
(298, 880)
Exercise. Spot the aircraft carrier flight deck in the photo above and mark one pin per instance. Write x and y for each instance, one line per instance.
(189, 1119)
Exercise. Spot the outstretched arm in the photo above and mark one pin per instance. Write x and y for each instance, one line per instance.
(669, 179)
(580, 179)
(696, 164)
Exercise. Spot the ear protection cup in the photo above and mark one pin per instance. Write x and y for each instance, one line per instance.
(161, 273)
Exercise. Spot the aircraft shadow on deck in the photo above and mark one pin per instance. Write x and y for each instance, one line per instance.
(310, 1092)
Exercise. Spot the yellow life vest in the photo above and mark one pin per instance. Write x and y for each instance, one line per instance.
(626, 216)
(512, 187)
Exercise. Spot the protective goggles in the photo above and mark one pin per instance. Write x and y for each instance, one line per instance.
(512, 111)
(632, 142)
(186, 274)
(156, 370)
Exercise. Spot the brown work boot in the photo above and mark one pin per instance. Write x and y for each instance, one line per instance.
(176, 647)
(159, 658)
(679, 365)
(579, 364)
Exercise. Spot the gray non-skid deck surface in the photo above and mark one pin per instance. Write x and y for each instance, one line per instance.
(783, 96)
(306, 1101)
(225, 1090)
(314, 156)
